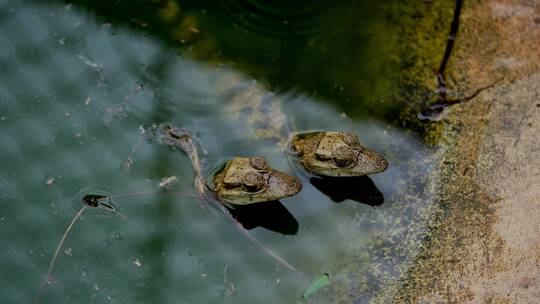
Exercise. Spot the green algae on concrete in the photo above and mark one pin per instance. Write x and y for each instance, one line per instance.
(388, 248)
(483, 244)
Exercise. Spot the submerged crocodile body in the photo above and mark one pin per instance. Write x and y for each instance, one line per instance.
(248, 180)
(242, 181)
(262, 112)
(323, 153)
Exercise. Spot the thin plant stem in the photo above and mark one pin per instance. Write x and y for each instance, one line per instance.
(70, 226)
(57, 251)
(151, 192)
(268, 250)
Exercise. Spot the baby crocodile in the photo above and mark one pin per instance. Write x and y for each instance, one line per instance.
(333, 153)
(251, 180)
(242, 181)
(326, 153)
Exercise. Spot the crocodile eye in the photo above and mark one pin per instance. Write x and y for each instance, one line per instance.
(344, 156)
(259, 163)
(253, 182)
(350, 139)
(342, 162)
(252, 188)
(322, 157)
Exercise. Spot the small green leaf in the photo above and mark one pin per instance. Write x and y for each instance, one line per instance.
(318, 284)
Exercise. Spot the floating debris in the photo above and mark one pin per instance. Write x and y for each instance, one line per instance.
(138, 87)
(87, 200)
(317, 285)
(118, 111)
(59, 246)
(172, 136)
(231, 289)
(49, 181)
(128, 161)
(114, 236)
(167, 182)
(142, 130)
(93, 200)
(126, 164)
(97, 67)
(90, 63)
(138, 22)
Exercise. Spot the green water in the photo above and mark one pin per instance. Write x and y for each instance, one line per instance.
(78, 81)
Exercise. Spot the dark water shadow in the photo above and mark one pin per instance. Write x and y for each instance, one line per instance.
(267, 38)
(360, 189)
(270, 215)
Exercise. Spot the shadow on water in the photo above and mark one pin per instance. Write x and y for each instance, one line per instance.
(270, 215)
(360, 189)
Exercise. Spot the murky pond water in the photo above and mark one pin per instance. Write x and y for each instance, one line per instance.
(78, 81)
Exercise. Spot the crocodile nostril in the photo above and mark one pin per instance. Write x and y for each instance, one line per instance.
(295, 185)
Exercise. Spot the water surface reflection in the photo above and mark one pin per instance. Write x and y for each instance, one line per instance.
(78, 91)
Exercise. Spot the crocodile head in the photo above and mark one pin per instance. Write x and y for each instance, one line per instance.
(333, 153)
(246, 181)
